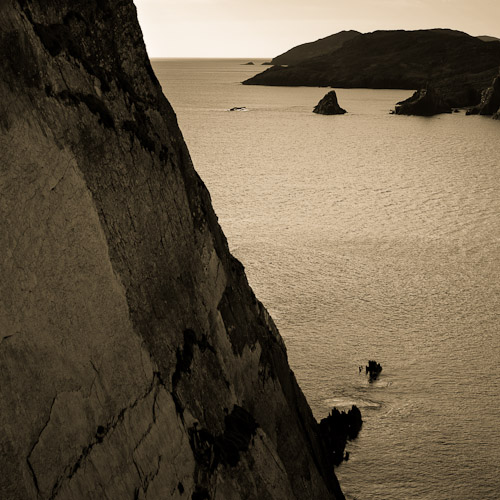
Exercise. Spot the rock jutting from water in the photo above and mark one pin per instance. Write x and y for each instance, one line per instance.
(424, 102)
(490, 101)
(338, 428)
(373, 369)
(329, 105)
(135, 360)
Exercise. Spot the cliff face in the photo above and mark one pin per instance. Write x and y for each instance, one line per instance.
(135, 361)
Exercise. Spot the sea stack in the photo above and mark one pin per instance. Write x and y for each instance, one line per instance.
(424, 102)
(135, 360)
(329, 105)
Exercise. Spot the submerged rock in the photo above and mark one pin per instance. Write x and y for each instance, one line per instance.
(424, 102)
(329, 105)
(490, 101)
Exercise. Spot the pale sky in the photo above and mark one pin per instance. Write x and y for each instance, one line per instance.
(266, 28)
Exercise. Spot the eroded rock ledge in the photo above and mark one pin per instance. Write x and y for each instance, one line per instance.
(135, 360)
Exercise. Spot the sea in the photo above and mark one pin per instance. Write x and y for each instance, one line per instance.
(368, 236)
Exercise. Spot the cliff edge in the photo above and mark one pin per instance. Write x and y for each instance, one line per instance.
(135, 361)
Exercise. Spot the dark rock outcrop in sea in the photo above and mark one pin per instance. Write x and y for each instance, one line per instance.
(373, 369)
(250, 63)
(329, 105)
(456, 64)
(490, 100)
(338, 428)
(424, 102)
(135, 360)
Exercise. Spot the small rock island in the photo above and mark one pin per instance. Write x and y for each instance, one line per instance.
(329, 105)
(373, 369)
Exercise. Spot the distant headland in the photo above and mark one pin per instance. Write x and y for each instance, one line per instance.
(457, 65)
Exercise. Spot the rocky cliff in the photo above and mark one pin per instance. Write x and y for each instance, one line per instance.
(456, 64)
(135, 361)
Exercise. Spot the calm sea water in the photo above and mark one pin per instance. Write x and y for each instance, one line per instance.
(367, 236)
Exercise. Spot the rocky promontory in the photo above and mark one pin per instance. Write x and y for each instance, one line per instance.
(424, 102)
(135, 360)
(490, 100)
(329, 105)
(456, 64)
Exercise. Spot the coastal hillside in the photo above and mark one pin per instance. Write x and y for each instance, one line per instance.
(487, 38)
(456, 64)
(309, 50)
(135, 360)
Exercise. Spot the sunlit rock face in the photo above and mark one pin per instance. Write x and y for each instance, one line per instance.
(135, 361)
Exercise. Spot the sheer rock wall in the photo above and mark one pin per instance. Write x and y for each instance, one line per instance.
(135, 361)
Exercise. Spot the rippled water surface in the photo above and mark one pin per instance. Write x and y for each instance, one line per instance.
(367, 236)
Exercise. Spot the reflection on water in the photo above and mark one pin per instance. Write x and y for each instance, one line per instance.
(367, 236)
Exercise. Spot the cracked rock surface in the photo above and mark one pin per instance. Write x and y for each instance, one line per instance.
(135, 360)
